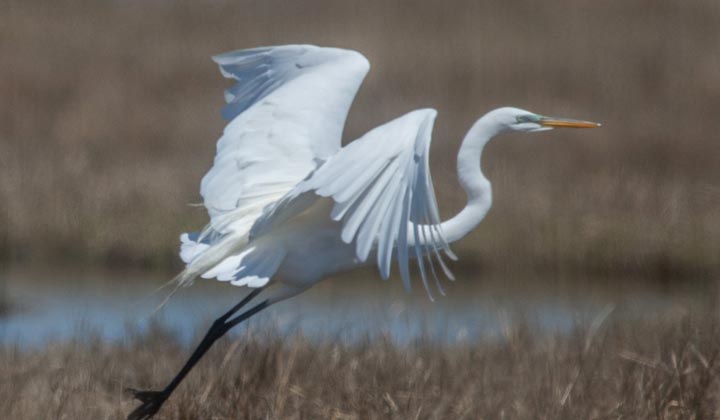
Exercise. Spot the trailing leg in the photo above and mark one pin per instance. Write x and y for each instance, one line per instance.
(153, 400)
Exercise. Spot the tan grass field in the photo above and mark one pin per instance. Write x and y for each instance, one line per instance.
(110, 112)
(649, 369)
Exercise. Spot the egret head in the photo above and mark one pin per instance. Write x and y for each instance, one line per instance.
(517, 119)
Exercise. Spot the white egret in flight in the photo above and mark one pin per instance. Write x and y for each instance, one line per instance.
(289, 206)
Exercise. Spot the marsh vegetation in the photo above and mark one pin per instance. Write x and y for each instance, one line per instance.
(663, 368)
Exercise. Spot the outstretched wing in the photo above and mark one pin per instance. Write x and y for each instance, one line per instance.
(286, 111)
(383, 196)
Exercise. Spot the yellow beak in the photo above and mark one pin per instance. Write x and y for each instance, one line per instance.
(566, 123)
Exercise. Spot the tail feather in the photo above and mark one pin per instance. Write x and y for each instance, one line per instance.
(201, 257)
(191, 245)
(211, 256)
(226, 257)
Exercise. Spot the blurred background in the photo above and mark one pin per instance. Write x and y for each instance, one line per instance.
(110, 111)
(110, 115)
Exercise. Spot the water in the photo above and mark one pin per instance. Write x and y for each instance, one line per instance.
(59, 304)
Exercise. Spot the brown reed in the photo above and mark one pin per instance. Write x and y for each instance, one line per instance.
(662, 368)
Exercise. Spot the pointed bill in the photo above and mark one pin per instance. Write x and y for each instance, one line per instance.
(566, 123)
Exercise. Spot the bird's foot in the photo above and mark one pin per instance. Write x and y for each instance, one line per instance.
(151, 403)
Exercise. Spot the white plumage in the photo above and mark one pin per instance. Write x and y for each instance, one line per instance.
(288, 206)
(381, 188)
(287, 112)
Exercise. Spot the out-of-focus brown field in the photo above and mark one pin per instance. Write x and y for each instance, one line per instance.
(110, 112)
(661, 369)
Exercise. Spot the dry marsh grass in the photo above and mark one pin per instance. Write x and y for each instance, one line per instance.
(110, 114)
(662, 369)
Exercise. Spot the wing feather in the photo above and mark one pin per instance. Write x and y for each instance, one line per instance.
(286, 114)
(286, 111)
(383, 197)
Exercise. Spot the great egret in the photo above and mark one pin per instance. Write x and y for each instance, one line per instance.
(289, 206)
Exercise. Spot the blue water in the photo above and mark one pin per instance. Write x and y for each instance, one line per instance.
(58, 304)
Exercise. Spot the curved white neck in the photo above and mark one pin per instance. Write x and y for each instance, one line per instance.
(476, 186)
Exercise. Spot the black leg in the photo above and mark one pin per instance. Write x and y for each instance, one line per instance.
(153, 400)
